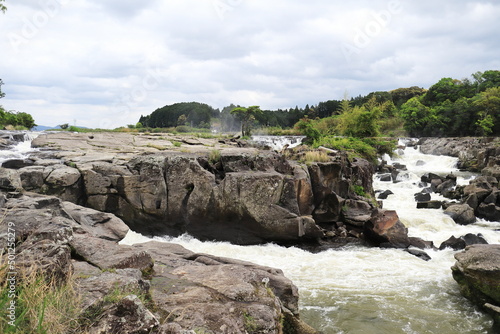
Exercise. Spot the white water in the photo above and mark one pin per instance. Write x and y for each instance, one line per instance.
(21, 150)
(371, 290)
(279, 142)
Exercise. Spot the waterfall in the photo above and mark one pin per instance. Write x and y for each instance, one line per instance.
(278, 142)
(21, 145)
(372, 290)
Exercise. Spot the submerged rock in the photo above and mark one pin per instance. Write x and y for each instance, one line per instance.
(463, 241)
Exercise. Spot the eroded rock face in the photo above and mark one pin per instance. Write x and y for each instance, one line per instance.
(147, 288)
(477, 272)
(244, 195)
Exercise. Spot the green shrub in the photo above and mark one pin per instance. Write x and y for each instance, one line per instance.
(214, 156)
(315, 156)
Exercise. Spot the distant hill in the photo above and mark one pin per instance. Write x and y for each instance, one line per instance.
(43, 128)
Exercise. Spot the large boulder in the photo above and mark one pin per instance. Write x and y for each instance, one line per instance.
(9, 180)
(462, 214)
(148, 288)
(385, 229)
(221, 294)
(99, 224)
(463, 241)
(477, 272)
(177, 193)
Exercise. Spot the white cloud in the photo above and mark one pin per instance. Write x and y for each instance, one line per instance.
(106, 63)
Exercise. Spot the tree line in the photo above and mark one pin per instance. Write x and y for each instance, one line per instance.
(451, 107)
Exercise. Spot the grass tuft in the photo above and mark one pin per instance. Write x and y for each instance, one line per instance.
(42, 306)
(315, 156)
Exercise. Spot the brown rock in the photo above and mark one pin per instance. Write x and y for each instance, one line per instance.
(385, 229)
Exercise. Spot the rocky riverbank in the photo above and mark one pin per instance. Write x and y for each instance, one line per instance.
(147, 288)
(477, 154)
(211, 189)
(93, 187)
(477, 272)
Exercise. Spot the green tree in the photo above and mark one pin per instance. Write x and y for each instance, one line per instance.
(2, 6)
(246, 116)
(444, 89)
(401, 95)
(182, 120)
(308, 129)
(490, 79)
(168, 116)
(416, 116)
(488, 104)
(25, 120)
(360, 121)
(328, 108)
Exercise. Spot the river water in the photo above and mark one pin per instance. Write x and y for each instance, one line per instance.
(19, 151)
(370, 290)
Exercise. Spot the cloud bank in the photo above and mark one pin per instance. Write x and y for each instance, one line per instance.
(103, 64)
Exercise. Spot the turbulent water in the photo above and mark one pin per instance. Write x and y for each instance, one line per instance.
(278, 142)
(19, 151)
(371, 290)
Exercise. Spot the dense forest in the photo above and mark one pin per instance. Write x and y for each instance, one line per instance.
(450, 107)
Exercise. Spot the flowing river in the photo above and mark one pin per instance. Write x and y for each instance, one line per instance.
(370, 290)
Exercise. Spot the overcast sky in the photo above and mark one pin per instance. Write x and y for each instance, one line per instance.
(103, 63)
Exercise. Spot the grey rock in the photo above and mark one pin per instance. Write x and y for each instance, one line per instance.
(477, 272)
(462, 214)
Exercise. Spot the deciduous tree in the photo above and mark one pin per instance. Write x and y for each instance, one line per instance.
(247, 116)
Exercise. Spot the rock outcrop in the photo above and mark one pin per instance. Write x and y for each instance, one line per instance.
(209, 189)
(474, 153)
(477, 272)
(147, 288)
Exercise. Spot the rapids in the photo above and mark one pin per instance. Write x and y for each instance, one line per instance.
(278, 142)
(372, 290)
(19, 151)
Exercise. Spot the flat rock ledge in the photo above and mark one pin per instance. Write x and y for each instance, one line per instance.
(477, 271)
(163, 288)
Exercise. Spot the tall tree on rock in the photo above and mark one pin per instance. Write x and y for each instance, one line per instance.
(247, 116)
